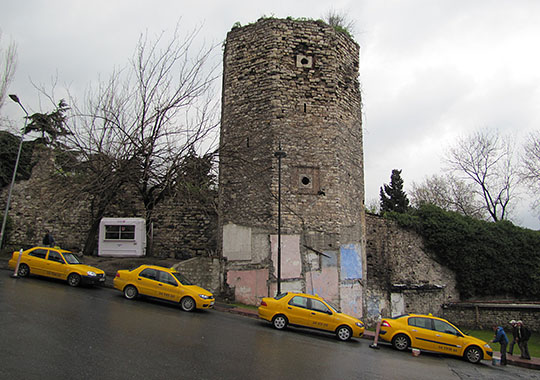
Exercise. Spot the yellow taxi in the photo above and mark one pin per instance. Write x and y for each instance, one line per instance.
(306, 310)
(430, 333)
(55, 263)
(164, 283)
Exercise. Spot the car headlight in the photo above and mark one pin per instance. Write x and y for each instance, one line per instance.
(487, 346)
(359, 324)
(204, 297)
(91, 274)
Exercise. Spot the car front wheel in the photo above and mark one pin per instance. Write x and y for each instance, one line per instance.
(343, 333)
(401, 342)
(473, 354)
(187, 304)
(74, 279)
(130, 292)
(23, 271)
(280, 322)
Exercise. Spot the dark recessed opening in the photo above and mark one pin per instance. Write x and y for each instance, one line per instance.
(305, 181)
(304, 61)
(305, 107)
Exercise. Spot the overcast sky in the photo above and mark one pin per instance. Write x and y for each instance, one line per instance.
(430, 70)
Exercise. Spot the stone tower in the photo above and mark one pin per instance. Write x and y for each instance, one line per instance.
(292, 84)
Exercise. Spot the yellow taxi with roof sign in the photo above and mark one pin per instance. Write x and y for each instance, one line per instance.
(426, 332)
(306, 310)
(55, 263)
(163, 283)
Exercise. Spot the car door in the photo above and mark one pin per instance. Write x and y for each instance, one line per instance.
(55, 265)
(36, 260)
(147, 282)
(168, 288)
(298, 312)
(422, 334)
(321, 316)
(448, 339)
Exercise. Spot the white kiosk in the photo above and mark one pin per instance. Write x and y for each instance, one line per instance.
(122, 237)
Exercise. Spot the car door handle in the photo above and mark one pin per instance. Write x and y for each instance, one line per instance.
(437, 334)
(313, 313)
(160, 284)
(288, 307)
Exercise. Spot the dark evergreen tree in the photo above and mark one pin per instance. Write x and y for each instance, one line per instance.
(393, 198)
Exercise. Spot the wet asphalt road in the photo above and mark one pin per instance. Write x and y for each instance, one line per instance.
(52, 331)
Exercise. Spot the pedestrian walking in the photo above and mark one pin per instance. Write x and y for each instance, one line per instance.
(502, 339)
(514, 340)
(48, 240)
(523, 340)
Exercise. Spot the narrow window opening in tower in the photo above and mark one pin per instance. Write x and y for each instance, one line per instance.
(247, 142)
(305, 181)
(304, 61)
(305, 107)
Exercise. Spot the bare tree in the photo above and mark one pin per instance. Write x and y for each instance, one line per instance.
(340, 21)
(530, 164)
(486, 160)
(8, 64)
(448, 193)
(136, 128)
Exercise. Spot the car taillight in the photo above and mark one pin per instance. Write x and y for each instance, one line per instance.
(117, 274)
(263, 303)
(385, 324)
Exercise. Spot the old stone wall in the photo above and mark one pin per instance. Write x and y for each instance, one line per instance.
(402, 276)
(206, 272)
(485, 315)
(182, 228)
(292, 85)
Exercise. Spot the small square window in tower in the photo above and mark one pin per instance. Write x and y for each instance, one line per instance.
(307, 180)
(304, 61)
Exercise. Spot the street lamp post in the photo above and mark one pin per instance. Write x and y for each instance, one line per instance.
(16, 100)
(279, 154)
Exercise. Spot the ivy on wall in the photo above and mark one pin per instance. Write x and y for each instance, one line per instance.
(495, 260)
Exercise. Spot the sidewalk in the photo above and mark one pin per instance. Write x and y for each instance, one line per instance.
(534, 363)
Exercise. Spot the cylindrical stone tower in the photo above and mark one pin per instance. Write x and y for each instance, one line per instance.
(292, 84)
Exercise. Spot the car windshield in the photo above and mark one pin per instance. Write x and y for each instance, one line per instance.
(71, 258)
(333, 307)
(182, 279)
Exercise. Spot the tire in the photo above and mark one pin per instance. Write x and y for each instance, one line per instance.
(401, 342)
(24, 270)
(130, 292)
(187, 304)
(344, 333)
(280, 322)
(473, 354)
(74, 279)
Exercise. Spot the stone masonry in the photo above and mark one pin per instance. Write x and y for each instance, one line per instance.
(292, 84)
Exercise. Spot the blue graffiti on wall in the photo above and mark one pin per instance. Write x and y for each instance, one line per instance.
(351, 261)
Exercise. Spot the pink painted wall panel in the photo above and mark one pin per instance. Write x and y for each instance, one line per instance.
(351, 300)
(249, 285)
(325, 283)
(291, 263)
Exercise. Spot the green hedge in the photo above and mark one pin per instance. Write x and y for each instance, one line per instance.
(489, 259)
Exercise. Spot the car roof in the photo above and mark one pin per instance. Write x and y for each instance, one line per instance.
(53, 248)
(144, 266)
(316, 296)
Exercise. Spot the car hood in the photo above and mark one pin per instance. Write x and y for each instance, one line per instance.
(345, 317)
(199, 290)
(87, 268)
(475, 340)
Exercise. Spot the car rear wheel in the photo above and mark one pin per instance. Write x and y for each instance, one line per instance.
(187, 304)
(401, 342)
(280, 322)
(343, 333)
(74, 279)
(130, 292)
(23, 271)
(473, 354)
